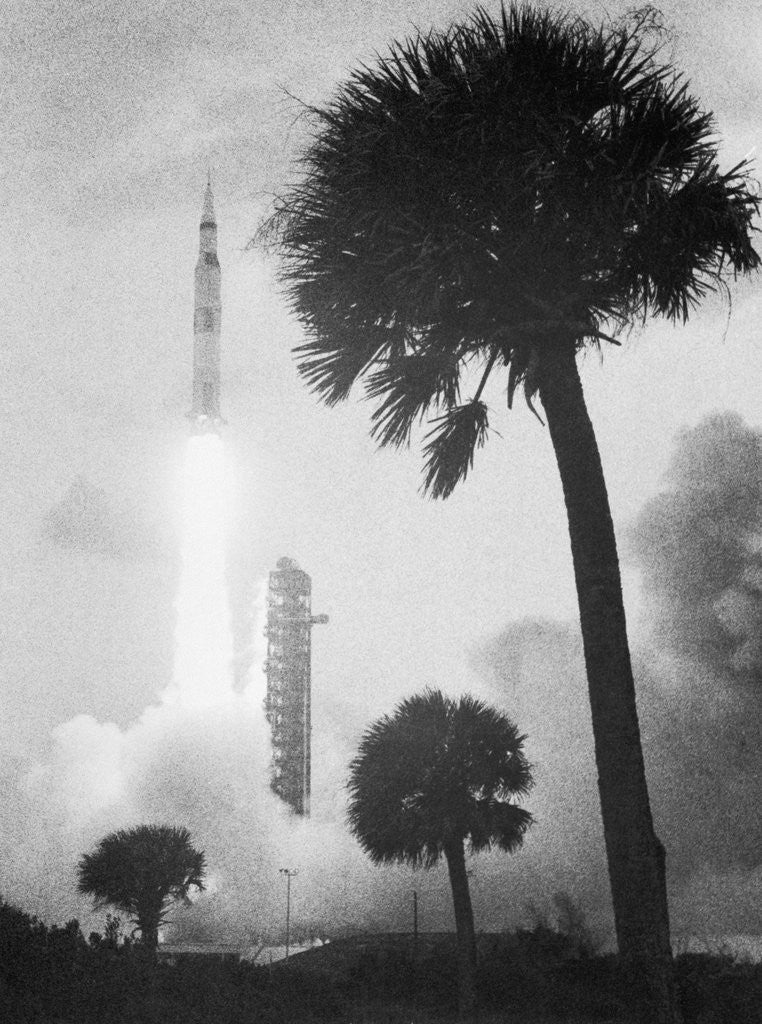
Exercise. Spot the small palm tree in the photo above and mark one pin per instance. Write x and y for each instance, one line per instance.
(435, 775)
(497, 198)
(142, 871)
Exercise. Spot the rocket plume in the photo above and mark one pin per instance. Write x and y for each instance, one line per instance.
(204, 641)
(203, 635)
(199, 757)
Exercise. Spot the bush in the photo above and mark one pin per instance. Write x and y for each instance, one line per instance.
(540, 970)
(715, 989)
(50, 974)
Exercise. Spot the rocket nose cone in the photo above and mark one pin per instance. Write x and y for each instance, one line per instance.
(207, 214)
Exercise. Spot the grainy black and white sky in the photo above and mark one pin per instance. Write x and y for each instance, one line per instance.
(110, 114)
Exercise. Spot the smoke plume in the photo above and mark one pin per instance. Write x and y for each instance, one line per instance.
(698, 545)
(86, 519)
(699, 681)
(199, 756)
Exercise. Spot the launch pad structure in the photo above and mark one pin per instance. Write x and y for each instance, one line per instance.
(288, 703)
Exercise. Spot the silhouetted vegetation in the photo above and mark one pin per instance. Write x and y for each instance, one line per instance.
(52, 975)
(434, 775)
(142, 871)
(482, 204)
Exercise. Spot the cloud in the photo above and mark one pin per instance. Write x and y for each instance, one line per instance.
(86, 519)
(698, 674)
(208, 770)
(698, 545)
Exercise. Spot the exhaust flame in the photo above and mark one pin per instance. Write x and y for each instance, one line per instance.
(203, 674)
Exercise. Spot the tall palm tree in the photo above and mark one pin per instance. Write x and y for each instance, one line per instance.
(498, 197)
(432, 776)
(142, 871)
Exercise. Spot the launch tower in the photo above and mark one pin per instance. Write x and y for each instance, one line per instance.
(288, 667)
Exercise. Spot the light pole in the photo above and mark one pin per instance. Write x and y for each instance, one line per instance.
(289, 875)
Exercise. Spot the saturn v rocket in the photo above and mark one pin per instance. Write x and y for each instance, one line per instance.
(205, 409)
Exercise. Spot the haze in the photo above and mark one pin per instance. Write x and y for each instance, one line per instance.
(112, 114)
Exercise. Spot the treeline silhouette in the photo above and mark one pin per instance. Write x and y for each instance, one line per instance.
(54, 975)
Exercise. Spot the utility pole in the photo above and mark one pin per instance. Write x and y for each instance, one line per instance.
(415, 925)
(289, 875)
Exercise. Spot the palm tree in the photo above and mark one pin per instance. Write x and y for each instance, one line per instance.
(142, 871)
(498, 197)
(428, 778)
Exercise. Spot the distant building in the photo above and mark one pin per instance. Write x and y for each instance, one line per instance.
(288, 704)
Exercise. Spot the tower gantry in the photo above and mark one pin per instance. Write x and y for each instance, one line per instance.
(288, 704)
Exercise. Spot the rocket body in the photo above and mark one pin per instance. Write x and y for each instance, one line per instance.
(205, 408)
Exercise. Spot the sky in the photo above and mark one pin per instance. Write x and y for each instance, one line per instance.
(112, 115)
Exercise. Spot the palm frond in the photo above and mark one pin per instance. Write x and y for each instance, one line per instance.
(450, 447)
(332, 371)
(407, 387)
(507, 826)
(510, 168)
(695, 233)
(435, 771)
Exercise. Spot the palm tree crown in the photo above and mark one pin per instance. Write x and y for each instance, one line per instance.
(484, 196)
(438, 772)
(497, 197)
(142, 871)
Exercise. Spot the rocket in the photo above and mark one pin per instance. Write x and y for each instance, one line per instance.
(205, 410)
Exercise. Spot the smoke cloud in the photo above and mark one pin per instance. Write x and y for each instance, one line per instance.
(198, 757)
(535, 671)
(206, 767)
(85, 519)
(698, 545)
(698, 673)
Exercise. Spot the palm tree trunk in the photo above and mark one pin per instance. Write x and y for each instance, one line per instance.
(464, 927)
(635, 855)
(148, 923)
